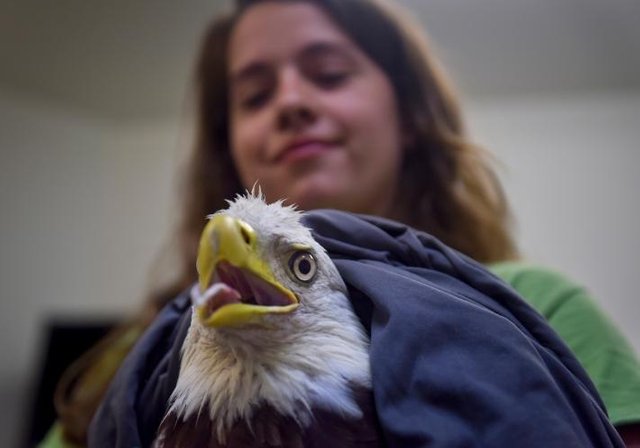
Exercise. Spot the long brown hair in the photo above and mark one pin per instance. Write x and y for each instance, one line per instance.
(448, 187)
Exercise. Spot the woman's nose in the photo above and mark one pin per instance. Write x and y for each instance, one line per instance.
(294, 102)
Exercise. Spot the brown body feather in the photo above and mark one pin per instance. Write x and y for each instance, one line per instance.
(268, 429)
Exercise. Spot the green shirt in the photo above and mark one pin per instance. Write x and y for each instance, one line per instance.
(605, 354)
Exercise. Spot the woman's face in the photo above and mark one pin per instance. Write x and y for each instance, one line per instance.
(313, 119)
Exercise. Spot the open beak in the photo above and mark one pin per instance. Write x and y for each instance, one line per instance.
(236, 286)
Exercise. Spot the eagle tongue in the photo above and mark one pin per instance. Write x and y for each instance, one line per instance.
(220, 295)
(234, 278)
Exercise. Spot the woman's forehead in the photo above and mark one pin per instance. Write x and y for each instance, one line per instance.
(277, 31)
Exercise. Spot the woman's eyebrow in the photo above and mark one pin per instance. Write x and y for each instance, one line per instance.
(323, 48)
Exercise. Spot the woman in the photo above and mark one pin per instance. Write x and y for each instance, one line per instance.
(347, 109)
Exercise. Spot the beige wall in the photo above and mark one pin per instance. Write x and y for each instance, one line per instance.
(86, 206)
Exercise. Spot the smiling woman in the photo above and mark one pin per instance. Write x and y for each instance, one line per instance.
(340, 104)
(313, 118)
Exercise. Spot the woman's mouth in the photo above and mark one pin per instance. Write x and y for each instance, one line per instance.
(304, 150)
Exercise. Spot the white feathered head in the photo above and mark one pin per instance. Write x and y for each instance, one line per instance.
(258, 266)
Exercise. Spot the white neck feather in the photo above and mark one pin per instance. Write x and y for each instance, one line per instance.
(291, 369)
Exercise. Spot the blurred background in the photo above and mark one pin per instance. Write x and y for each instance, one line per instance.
(95, 121)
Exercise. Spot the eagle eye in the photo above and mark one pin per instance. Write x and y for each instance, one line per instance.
(303, 266)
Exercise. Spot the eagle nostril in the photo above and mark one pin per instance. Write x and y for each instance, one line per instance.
(245, 235)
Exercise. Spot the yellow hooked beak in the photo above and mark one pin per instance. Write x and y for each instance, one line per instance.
(231, 240)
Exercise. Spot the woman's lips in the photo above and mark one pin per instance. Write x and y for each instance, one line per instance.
(303, 151)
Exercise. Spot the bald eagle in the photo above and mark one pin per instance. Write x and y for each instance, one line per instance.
(274, 356)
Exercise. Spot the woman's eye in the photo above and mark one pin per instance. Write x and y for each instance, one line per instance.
(331, 79)
(303, 266)
(255, 100)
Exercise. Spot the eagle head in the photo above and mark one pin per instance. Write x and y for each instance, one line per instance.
(258, 267)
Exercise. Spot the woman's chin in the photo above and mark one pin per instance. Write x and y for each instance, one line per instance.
(342, 199)
(321, 189)
(314, 197)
